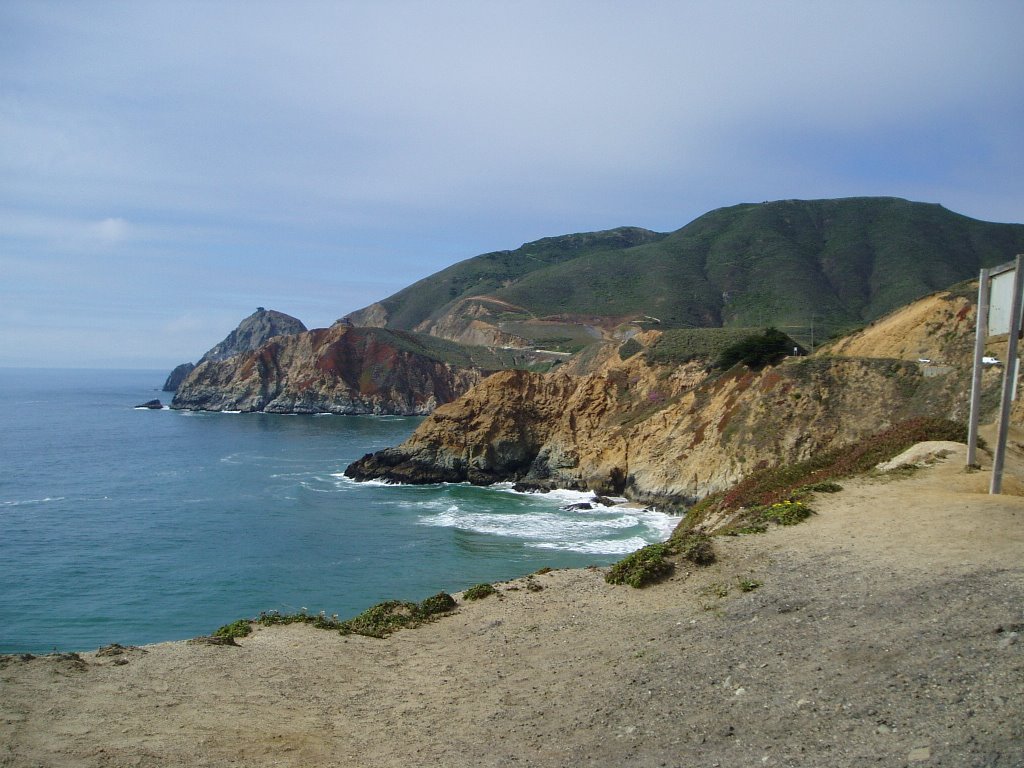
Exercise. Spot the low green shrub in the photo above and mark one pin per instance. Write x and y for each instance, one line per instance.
(647, 565)
(747, 585)
(442, 602)
(383, 619)
(630, 348)
(479, 592)
(787, 512)
(825, 486)
(652, 563)
(378, 621)
(695, 547)
(239, 628)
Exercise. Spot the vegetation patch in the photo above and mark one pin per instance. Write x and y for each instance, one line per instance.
(378, 621)
(787, 512)
(826, 486)
(682, 345)
(743, 505)
(630, 348)
(239, 628)
(757, 351)
(656, 562)
(479, 592)
(647, 565)
(747, 585)
(383, 619)
(442, 602)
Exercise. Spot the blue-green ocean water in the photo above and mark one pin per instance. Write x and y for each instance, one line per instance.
(137, 526)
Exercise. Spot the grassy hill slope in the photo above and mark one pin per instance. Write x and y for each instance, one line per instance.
(795, 264)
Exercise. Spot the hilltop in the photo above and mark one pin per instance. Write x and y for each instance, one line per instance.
(810, 267)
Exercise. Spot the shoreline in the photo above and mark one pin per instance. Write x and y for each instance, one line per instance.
(888, 629)
(622, 505)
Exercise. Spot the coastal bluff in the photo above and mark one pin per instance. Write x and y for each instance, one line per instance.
(631, 424)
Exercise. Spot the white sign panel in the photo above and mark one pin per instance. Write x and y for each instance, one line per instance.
(1000, 301)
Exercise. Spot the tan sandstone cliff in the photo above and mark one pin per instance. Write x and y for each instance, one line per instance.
(675, 433)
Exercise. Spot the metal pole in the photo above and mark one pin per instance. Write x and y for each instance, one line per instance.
(980, 332)
(1008, 374)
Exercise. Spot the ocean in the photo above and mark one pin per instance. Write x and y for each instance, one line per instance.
(137, 526)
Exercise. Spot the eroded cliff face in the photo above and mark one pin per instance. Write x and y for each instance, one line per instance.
(340, 370)
(675, 434)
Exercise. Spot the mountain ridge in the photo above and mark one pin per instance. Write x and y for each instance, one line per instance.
(804, 265)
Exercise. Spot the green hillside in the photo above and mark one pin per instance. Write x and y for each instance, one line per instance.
(488, 273)
(799, 265)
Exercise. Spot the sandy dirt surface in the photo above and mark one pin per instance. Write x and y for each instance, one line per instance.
(888, 630)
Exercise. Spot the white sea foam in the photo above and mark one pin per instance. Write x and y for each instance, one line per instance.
(23, 502)
(602, 547)
(599, 531)
(344, 479)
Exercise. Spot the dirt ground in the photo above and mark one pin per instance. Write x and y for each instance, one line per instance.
(888, 630)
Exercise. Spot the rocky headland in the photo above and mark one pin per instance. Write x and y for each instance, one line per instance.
(342, 369)
(251, 334)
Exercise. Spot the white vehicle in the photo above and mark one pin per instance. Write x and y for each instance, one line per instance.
(990, 361)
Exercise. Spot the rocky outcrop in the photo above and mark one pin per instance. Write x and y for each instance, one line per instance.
(178, 375)
(670, 434)
(252, 333)
(342, 370)
(493, 433)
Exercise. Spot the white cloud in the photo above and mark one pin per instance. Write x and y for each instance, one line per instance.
(111, 231)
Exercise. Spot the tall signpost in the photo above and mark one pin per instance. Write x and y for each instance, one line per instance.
(1004, 285)
(980, 333)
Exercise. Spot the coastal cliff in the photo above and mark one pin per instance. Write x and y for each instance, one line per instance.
(672, 433)
(341, 370)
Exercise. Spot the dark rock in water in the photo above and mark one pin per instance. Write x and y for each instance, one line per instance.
(394, 466)
(579, 506)
(532, 486)
(603, 501)
(177, 376)
(154, 405)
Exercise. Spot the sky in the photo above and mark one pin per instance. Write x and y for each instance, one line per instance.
(168, 167)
